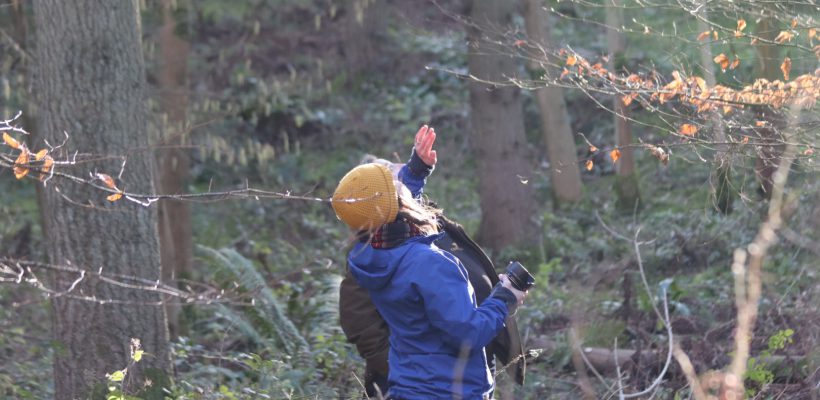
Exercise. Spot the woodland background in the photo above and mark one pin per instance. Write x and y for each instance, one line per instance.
(573, 136)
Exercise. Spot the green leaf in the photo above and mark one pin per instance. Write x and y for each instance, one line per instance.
(117, 376)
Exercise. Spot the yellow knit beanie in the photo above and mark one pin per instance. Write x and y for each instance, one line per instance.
(366, 197)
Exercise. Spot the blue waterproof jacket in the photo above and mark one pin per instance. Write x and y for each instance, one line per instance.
(437, 332)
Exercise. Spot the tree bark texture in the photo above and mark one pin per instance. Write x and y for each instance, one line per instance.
(499, 143)
(724, 191)
(89, 82)
(767, 66)
(626, 184)
(173, 161)
(561, 152)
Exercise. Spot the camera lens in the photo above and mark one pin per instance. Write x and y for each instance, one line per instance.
(520, 278)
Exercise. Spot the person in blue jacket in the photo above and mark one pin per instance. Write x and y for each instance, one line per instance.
(437, 330)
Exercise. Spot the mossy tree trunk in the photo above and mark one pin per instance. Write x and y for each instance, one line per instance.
(89, 81)
(499, 144)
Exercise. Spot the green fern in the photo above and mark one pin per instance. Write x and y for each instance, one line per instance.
(267, 316)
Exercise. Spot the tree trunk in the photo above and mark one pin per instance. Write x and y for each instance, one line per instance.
(768, 67)
(564, 171)
(90, 83)
(499, 143)
(175, 232)
(724, 191)
(364, 21)
(627, 190)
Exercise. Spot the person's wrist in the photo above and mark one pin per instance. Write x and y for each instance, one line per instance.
(417, 166)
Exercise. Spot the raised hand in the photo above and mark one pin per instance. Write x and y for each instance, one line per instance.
(423, 146)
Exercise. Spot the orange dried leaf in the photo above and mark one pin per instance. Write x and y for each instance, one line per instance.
(715, 35)
(565, 73)
(784, 36)
(745, 140)
(727, 109)
(808, 152)
(735, 63)
(688, 130)
(741, 24)
(19, 164)
(48, 163)
(114, 197)
(592, 148)
(794, 22)
(615, 154)
(40, 154)
(627, 100)
(10, 141)
(722, 60)
(754, 41)
(812, 33)
(760, 123)
(786, 67)
(704, 35)
(588, 165)
(107, 180)
(572, 60)
(519, 43)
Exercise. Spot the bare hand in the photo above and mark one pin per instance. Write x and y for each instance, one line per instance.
(519, 295)
(424, 145)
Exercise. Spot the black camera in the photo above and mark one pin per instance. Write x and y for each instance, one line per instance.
(520, 278)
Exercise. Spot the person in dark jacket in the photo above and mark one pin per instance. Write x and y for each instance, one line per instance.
(438, 332)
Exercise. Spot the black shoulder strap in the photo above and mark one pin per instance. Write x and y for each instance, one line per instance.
(507, 345)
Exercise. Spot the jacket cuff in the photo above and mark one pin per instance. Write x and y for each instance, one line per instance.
(505, 295)
(378, 364)
(417, 167)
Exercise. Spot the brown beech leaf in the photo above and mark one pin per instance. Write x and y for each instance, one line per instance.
(786, 67)
(20, 170)
(114, 197)
(808, 152)
(760, 123)
(735, 63)
(588, 165)
(784, 36)
(745, 140)
(704, 35)
(688, 130)
(715, 35)
(615, 154)
(812, 33)
(723, 61)
(794, 22)
(741, 24)
(48, 163)
(40, 154)
(107, 180)
(10, 141)
(592, 148)
(572, 60)
(565, 73)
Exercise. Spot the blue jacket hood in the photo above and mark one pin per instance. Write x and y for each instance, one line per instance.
(374, 268)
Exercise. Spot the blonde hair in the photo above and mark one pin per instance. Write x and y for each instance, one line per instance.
(421, 215)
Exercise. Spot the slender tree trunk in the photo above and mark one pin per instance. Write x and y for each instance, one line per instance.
(768, 67)
(564, 171)
(364, 21)
(175, 232)
(499, 143)
(90, 83)
(626, 185)
(724, 191)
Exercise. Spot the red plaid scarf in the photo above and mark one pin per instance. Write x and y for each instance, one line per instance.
(393, 234)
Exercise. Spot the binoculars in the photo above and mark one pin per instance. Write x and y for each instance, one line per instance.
(520, 278)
